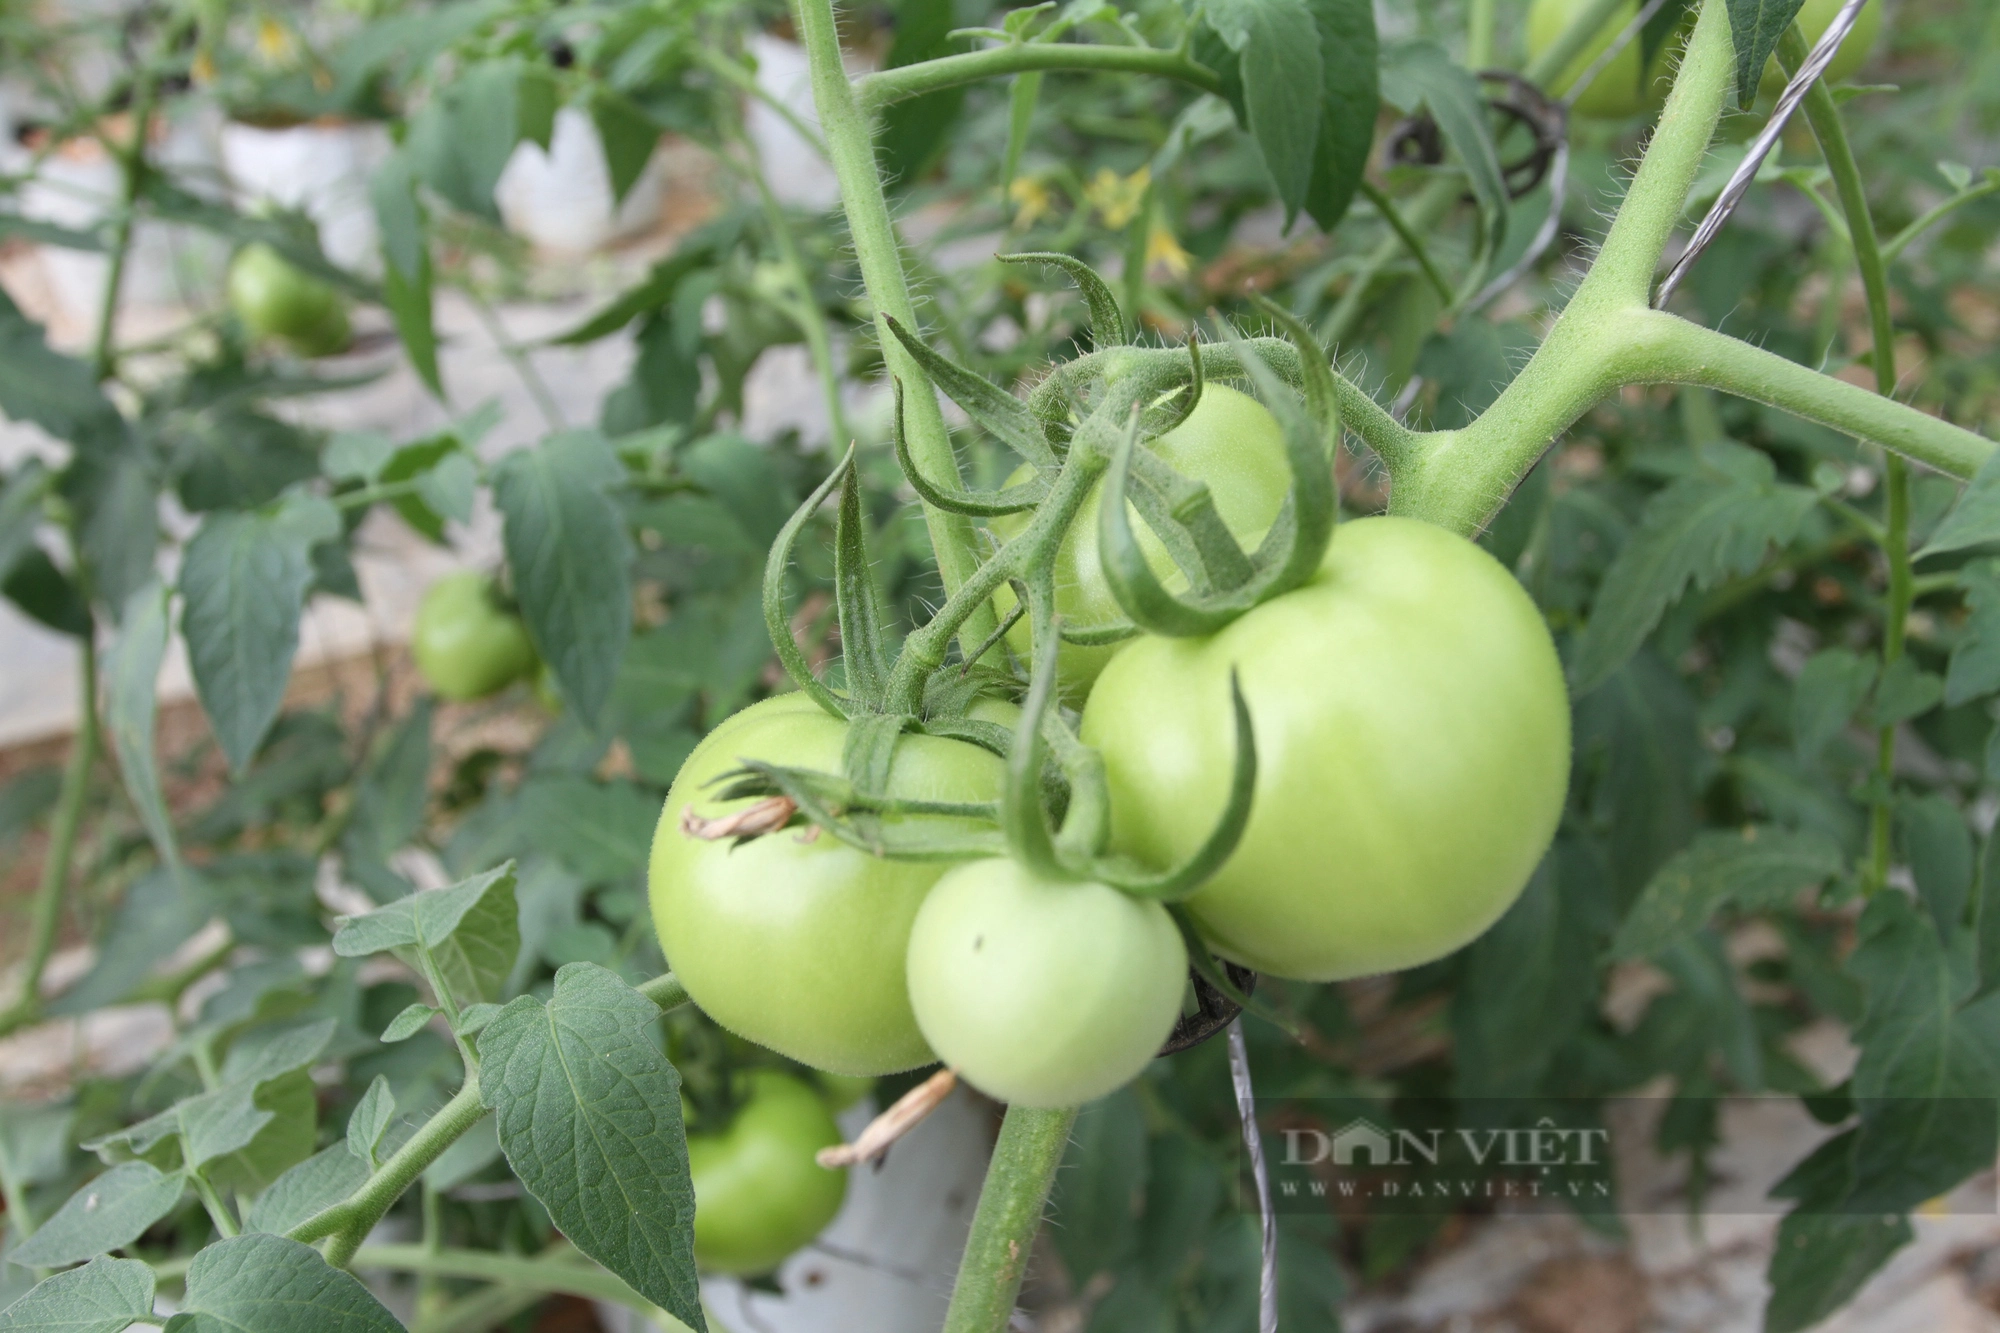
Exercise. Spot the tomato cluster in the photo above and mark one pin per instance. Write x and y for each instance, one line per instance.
(1411, 739)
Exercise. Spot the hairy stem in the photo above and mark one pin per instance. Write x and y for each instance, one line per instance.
(850, 147)
(895, 85)
(46, 914)
(1023, 1168)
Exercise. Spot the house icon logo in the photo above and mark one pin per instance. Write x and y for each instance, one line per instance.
(1367, 1140)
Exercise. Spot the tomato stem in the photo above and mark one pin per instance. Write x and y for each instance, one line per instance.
(1023, 1167)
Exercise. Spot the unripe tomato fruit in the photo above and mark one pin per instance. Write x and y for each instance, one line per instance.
(274, 299)
(758, 1193)
(1814, 17)
(1231, 442)
(466, 643)
(844, 1090)
(1413, 753)
(1039, 992)
(798, 945)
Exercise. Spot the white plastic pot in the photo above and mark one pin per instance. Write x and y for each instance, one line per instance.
(560, 200)
(322, 170)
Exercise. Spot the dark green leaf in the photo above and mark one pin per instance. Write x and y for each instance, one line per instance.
(369, 1120)
(406, 276)
(1417, 74)
(602, 831)
(21, 509)
(1699, 530)
(1759, 868)
(628, 135)
(1905, 691)
(590, 1119)
(459, 142)
(258, 1282)
(1525, 990)
(470, 931)
(913, 132)
(109, 1213)
(160, 911)
(39, 587)
(1349, 97)
(1283, 78)
(1937, 843)
(569, 553)
(1821, 1259)
(1829, 690)
(56, 392)
(390, 798)
(1975, 519)
(116, 498)
(1756, 26)
(244, 581)
(104, 1296)
(132, 670)
(1975, 658)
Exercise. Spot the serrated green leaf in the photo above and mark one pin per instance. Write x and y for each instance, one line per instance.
(1283, 78)
(1936, 842)
(1905, 691)
(1756, 26)
(369, 1120)
(1698, 531)
(1525, 991)
(589, 1115)
(1826, 696)
(568, 550)
(1821, 1259)
(470, 931)
(602, 831)
(1759, 868)
(243, 581)
(1350, 95)
(1975, 659)
(107, 1214)
(319, 1182)
(256, 1282)
(259, 1056)
(104, 1296)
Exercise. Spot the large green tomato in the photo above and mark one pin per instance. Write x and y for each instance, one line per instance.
(1412, 733)
(467, 644)
(274, 299)
(1043, 993)
(798, 945)
(1230, 441)
(758, 1193)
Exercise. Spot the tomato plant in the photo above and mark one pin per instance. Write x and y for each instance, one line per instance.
(465, 642)
(1361, 641)
(759, 1194)
(1404, 795)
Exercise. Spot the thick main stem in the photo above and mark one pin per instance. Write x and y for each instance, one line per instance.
(63, 829)
(850, 146)
(1023, 1168)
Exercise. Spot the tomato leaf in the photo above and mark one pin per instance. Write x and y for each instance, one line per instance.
(406, 268)
(319, 1182)
(601, 831)
(571, 559)
(1821, 1259)
(243, 582)
(1756, 26)
(1282, 74)
(470, 933)
(627, 134)
(1417, 74)
(104, 1296)
(108, 1213)
(460, 140)
(589, 1115)
(1758, 868)
(1095, 1206)
(1700, 530)
(56, 392)
(1975, 657)
(132, 670)
(1829, 689)
(264, 1281)
(1350, 92)
(1527, 989)
(1936, 843)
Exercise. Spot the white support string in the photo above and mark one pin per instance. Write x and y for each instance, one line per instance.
(1253, 1140)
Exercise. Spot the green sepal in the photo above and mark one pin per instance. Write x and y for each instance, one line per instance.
(777, 618)
(989, 405)
(989, 736)
(835, 805)
(860, 610)
(1138, 590)
(1099, 636)
(869, 752)
(1022, 817)
(1189, 396)
(957, 499)
(1107, 322)
(1178, 883)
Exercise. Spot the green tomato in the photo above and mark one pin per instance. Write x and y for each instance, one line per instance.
(1616, 92)
(1412, 732)
(1231, 442)
(274, 299)
(758, 1193)
(798, 945)
(466, 643)
(843, 1090)
(1042, 993)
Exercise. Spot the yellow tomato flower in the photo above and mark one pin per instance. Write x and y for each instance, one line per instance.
(1116, 198)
